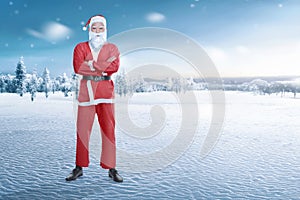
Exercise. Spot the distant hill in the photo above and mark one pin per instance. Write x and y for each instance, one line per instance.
(240, 80)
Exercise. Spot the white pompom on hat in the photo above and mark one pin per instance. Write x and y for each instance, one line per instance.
(96, 18)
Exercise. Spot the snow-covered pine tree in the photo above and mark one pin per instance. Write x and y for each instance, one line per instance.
(20, 77)
(169, 84)
(121, 86)
(176, 85)
(33, 85)
(26, 82)
(46, 84)
(65, 84)
(190, 83)
(75, 85)
(10, 84)
(55, 85)
(130, 86)
(184, 84)
(118, 84)
(2, 84)
(140, 85)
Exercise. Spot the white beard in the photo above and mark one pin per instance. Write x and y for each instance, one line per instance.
(97, 39)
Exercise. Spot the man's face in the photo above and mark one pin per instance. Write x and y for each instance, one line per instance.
(97, 27)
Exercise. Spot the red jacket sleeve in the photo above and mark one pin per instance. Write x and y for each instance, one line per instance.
(108, 67)
(81, 54)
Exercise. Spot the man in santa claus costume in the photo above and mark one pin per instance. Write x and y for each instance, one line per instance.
(96, 60)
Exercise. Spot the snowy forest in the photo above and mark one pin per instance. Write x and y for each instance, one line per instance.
(22, 82)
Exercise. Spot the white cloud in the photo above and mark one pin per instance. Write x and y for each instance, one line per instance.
(216, 54)
(258, 60)
(51, 31)
(155, 17)
(242, 49)
(35, 33)
(279, 59)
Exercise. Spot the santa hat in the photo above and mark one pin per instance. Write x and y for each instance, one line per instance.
(96, 18)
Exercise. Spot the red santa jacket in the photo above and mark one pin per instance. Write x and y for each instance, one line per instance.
(92, 92)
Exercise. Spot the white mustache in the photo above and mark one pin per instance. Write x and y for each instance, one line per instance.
(97, 36)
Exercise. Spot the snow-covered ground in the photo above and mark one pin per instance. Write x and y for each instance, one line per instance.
(257, 155)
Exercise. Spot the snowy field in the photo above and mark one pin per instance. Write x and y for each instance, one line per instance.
(257, 155)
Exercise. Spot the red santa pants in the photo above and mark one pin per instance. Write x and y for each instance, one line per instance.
(106, 119)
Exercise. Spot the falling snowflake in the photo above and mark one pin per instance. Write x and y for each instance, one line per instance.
(192, 5)
(16, 12)
(68, 37)
(31, 45)
(280, 5)
(6, 45)
(25, 6)
(58, 19)
(11, 3)
(79, 7)
(82, 23)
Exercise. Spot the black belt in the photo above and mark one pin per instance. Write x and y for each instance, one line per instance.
(96, 78)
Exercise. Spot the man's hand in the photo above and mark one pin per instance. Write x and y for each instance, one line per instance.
(90, 64)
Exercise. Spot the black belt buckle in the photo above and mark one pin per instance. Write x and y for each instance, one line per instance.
(98, 78)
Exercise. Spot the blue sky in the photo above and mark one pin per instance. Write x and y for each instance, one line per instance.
(243, 37)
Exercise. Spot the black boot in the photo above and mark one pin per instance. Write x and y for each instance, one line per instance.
(113, 173)
(75, 174)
